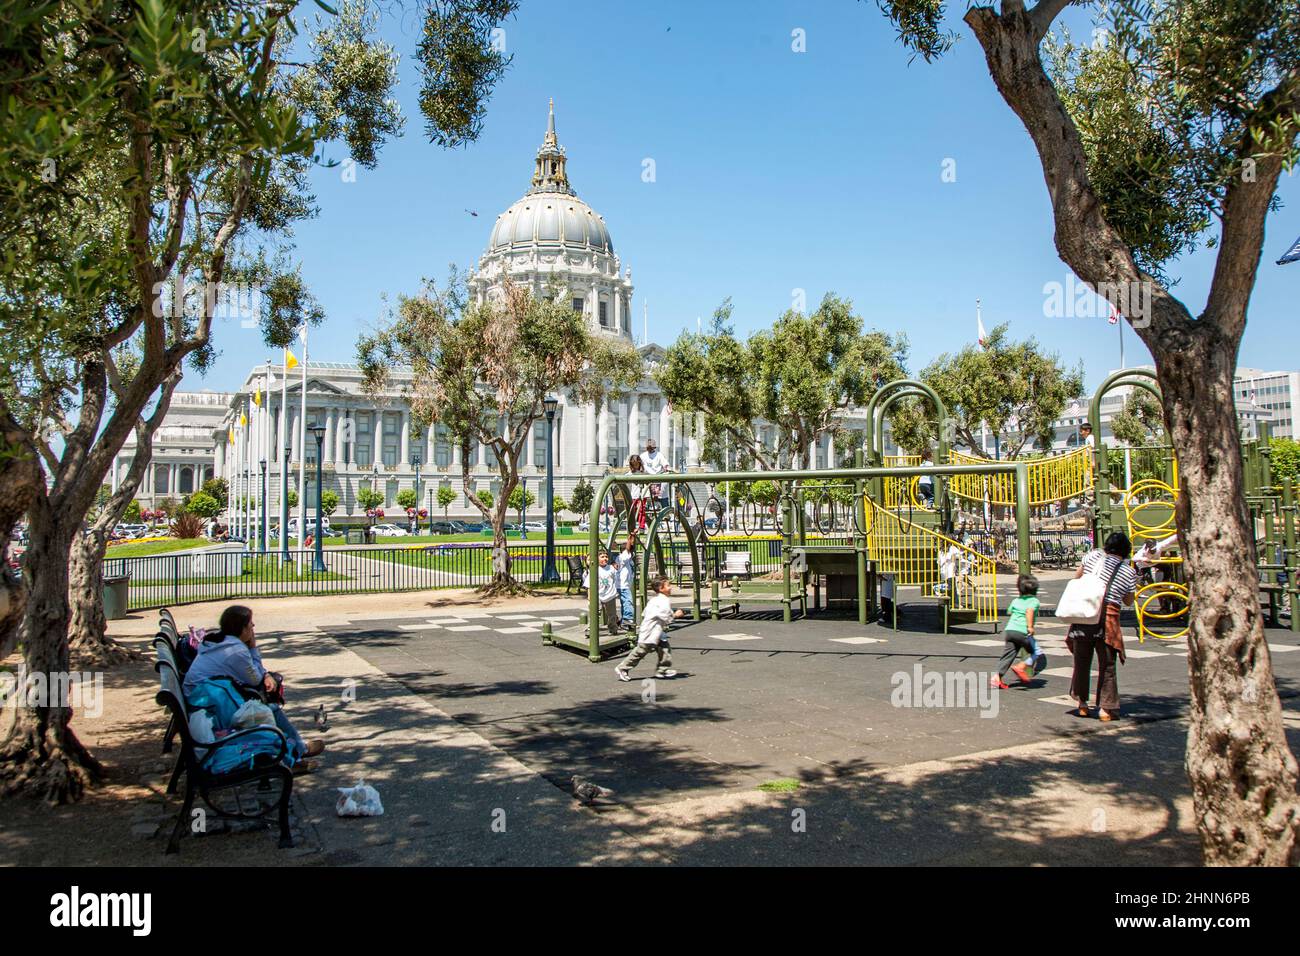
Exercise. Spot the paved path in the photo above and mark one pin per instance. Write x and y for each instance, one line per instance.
(466, 724)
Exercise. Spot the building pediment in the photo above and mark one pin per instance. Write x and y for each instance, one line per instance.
(316, 386)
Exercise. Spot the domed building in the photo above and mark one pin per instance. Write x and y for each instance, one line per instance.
(555, 244)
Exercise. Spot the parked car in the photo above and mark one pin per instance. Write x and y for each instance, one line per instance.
(389, 531)
(471, 527)
(447, 527)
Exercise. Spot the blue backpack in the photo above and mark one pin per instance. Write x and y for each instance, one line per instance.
(219, 699)
(257, 748)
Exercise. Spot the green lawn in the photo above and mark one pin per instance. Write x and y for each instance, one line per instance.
(146, 548)
(423, 539)
(268, 570)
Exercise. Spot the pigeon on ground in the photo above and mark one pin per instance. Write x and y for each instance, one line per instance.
(588, 792)
(322, 720)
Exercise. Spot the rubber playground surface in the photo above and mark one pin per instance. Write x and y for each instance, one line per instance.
(756, 700)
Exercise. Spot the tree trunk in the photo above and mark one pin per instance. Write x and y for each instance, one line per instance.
(41, 756)
(90, 645)
(1242, 773)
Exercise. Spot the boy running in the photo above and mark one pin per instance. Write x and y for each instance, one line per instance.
(1019, 633)
(657, 615)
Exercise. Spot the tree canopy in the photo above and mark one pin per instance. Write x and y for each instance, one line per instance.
(800, 376)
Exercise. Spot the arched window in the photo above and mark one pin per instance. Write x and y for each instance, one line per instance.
(187, 481)
(160, 475)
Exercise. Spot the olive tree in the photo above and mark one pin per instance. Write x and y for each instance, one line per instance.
(1177, 123)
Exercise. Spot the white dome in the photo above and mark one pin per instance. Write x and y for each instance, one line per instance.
(550, 220)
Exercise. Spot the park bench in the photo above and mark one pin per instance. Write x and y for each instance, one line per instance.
(576, 570)
(195, 760)
(733, 566)
(684, 568)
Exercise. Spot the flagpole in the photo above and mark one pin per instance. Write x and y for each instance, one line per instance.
(302, 451)
(282, 454)
(256, 538)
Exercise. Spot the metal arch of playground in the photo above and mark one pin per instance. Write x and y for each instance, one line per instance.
(1019, 469)
(885, 396)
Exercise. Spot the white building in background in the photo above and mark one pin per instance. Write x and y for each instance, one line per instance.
(549, 241)
(182, 448)
(1273, 392)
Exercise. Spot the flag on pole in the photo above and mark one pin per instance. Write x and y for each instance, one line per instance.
(1291, 255)
(981, 336)
(230, 435)
(257, 398)
(243, 420)
(289, 360)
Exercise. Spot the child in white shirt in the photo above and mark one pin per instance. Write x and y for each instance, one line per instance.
(655, 620)
(606, 592)
(626, 567)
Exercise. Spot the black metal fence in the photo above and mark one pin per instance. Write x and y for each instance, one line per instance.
(191, 577)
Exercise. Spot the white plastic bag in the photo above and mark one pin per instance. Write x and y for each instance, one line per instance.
(253, 713)
(359, 801)
(201, 728)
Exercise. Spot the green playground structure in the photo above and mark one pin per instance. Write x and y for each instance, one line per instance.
(856, 528)
(873, 543)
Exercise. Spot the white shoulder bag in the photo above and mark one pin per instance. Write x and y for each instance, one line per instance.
(1083, 598)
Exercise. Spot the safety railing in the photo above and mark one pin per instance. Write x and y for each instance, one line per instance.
(1055, 478)
(941, 566)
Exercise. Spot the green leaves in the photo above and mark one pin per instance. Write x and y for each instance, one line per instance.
(461, 57)
(799, 376)
(1015, 388)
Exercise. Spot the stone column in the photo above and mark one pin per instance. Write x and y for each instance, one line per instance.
(589, 436)
(633, 421)
(528, 444)
(327, 446)
(404, 440)
(295, 414)
(617, 310)
(602, 435)
(376, 437)
(830, 451)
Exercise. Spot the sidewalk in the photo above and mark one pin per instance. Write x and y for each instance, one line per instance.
(451, 797)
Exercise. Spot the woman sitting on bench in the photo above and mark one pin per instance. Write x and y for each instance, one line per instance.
(232, 653)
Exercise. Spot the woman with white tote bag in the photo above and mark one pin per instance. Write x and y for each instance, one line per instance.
(1103, 635)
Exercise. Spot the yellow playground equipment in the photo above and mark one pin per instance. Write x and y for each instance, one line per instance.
(965, 579)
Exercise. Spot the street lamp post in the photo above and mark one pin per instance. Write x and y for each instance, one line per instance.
(319, 432)
(549, 573)
(262, 533)
(284, 503)
(416, 461)
(523, 509)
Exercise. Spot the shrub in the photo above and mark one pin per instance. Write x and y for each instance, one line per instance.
(187, 526)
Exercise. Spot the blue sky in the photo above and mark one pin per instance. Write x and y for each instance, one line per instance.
(774, 171)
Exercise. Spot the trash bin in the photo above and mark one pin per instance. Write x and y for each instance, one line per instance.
(116, 596)
(356, 536)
